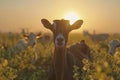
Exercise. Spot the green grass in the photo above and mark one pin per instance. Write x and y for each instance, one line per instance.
(21, 66)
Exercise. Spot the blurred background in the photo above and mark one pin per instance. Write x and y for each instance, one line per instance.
(101, 16)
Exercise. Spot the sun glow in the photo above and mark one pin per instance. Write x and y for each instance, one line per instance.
(72, 17)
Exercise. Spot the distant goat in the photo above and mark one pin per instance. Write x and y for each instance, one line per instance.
(80, 50)
(45, 37)
(96, 37)
(30, 41)
(113, 45)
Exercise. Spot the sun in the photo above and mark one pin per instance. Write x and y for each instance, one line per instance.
(72, 17)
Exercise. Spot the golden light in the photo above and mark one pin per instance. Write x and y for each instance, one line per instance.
(72, 17)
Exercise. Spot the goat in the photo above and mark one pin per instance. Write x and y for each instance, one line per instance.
(113, 45)
(96, 37)
(45, 38)
(23, 44)
(64, 58)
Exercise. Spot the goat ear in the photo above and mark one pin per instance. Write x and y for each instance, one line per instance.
(82, 42)
(25, 36)
(76, 25)
(46, 24)
(39, 35)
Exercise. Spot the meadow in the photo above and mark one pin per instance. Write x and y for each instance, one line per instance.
(21, 66)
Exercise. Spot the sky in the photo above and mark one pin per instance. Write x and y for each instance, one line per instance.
(103, 16)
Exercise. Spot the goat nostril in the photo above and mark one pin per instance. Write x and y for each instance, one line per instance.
(59, 39)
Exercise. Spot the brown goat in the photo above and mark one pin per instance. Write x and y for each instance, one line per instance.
(64, 58)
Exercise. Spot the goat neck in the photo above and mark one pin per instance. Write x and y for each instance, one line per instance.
(60, 62)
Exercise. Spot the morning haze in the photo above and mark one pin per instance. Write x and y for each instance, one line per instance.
(99, 15)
